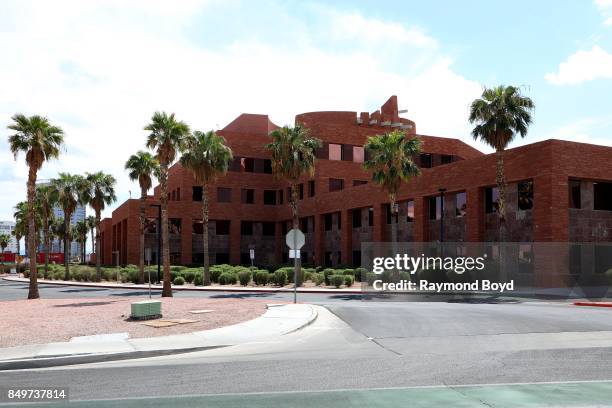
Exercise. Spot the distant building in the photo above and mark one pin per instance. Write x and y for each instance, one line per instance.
(7, 227)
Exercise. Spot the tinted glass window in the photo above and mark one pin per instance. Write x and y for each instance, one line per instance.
(425, 159)
(196, 193)
(268, 228)
(525, 195)
(335, 151)
(491, 199)
(248, 196)
(602, 196)
(410, 211)
(224, 194)
(574, 194)
(356, 218)
(222, 227)
(269, 197)
(359, 182)
(336, 184)
(311, 188)
(461, 204)
(328, 222)
(435, 208)
(246, 227)
(358, 154)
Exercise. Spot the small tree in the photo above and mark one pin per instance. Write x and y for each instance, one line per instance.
(40, 141)
(207, 157)
(142, 166)
(391, 162)
(4, 241)
(46, 197)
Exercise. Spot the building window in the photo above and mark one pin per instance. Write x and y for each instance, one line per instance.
(358, 154)
(196, 193)
(339, 218)
(425, 160)
(268, 229)
(281, 197)
(197, 227)
(247, 164)
(356, 218)
(328, 259)
(267, 166)
(359, 182)
(410, 211)
(224, 195)
(491, 200)
(446, 159)
(222, 227)
(311, 188)
(246, 227)
(301, 190)
(370, 217)
(269, 197)
(178, 194)
(248, 196)
(222, 258)
(304, 224)
(336, 184)
(174, 225)
(435, 208)
(388, 212)
(460, 204)
(357, 260)
(602, 196)
(173, 195)
(328, 222)
(245, 258)
(525, 195)
(335, 151)
(150, 226)
(574, 194)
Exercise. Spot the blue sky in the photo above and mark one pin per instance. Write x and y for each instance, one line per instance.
(100, 68)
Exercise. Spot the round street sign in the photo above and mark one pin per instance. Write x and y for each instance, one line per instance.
(295, 239)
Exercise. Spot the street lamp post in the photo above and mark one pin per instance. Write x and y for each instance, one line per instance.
(159, 243)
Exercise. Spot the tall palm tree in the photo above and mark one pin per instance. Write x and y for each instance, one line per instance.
(391, 162)
(69, 194)
(167, 137)
(500, 114)
(91, 225)
(98, 191)
(46, 197)
(142, 166)
(58, 230)
(207, 157)
(4, 241)
(40, 141)
(293, 153)
(80, 231)
(21, 223)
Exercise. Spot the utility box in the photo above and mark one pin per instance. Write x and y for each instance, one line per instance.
(146, 309)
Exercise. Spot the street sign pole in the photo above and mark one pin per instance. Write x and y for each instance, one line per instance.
(295, 268)
(295, 240)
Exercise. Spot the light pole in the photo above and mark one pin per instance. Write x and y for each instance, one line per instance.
(159, 243)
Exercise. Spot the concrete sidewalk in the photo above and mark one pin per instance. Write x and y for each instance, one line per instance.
(356, 289)
(278, 320)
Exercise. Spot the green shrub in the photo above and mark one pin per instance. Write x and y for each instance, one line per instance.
(307, 276)
(327, 273)
(280, 277)
(404, 275)
(348, 280)
(349, 272)
(179, 280)
(360, 273)
(261, 277)
(244, 277)
(228, 278)
(215, 273)
(189, 275)
(319, 278)
(198, 280)
(175, 268)
(336, 280)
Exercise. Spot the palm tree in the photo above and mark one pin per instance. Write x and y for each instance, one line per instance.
(4, 241)
(293, 156)
(98, 191)
(58, 230)
(91, 225)
(46, 196)
(500, 114)
(21, 223)
(391, 162)
(40, 141)
(142, 166)
(80, 231)
(207, 157)
(167, 136)
(69, 188)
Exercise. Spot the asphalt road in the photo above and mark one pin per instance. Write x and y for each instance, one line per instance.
(363, 345)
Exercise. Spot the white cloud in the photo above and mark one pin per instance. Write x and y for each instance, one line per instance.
(605, 7)
(591, 130)
(100, 69)
(583, 66)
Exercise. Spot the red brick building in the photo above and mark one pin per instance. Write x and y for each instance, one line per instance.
(558, 191)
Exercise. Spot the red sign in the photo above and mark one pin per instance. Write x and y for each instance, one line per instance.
(54, 257)
(7, 257)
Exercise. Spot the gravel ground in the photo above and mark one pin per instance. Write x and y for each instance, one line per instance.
(50, 320)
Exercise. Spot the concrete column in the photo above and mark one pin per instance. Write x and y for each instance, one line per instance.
(380, 223)
(420, 219)
(186, 240)
(346, 238)
(550, 208)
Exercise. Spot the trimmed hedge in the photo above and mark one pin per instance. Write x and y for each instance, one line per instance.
(228, 278)
(179, 280)
(336, 280)
(244, 277)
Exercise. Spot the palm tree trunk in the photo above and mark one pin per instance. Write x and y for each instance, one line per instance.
(66, 245)
(501, 188)
(33, 289)
(97, 244)
(163, 180)
(206, 277)
(93, 240)
(143, 199)
(393, 233)
(18, 262)
(46, 238)
(296, 225)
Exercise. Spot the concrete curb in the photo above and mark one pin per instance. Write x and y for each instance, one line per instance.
(278, 320)
(593, 304)
(188, 288)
